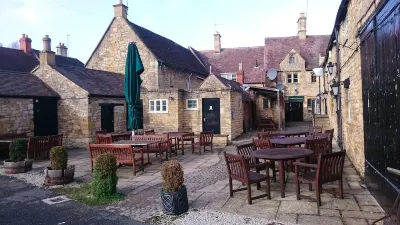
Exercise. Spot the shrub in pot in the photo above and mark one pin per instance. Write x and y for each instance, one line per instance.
(104, 183)
(59, 172)
(173, 194)
(17, 162)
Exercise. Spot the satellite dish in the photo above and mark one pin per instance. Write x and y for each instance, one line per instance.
(280, 86)
(272, 73)
(318, 71)
(246, 87)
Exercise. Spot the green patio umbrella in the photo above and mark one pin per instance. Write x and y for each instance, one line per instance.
(133, 69)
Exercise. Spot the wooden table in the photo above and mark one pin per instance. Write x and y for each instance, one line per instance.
(295, 132)
(281, 155)
(288, 141)
(177, 136)
(141, 143)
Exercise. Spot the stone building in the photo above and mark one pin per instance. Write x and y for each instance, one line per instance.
(363, 49)
(166, 63)
(294, 58)
(27, 104)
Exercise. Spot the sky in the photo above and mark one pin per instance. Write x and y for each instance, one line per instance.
(241, 23)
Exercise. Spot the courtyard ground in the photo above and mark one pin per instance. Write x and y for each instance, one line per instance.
(207, 183)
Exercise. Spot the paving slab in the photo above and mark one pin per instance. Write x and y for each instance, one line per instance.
(354, 221)
(318, 220)
(286, 218)
(366, 200)
(362, 215)
(329, 212)
(342, 204)
(298, 207)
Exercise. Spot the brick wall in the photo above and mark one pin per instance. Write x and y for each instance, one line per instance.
(16, 116)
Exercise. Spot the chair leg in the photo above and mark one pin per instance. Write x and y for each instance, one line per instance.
(318, 193)
(258, 186)
(340, 188)
(134, 169)
(142, 163)
(310, 187)
(249, 193)
(268, 184)
(212, 148)
(230, 187)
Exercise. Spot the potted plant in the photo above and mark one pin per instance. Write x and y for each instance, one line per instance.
(17, 162)
(59, 172)
(173, 194)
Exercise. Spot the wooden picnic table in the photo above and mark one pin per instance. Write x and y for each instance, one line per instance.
(138, 143)
(288, 141)
(281, 155)
(295, 132)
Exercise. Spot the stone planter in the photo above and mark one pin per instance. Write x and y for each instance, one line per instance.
(59, 177)
(175, 203)
(14, 167)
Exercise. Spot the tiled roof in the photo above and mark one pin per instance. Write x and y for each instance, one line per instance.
(234, 86)
(228, 62)
(169, 52)
(23, 84)
(277, 48)
(96, 82)
(18, 60)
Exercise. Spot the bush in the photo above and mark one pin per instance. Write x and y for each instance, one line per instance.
(18, 150)
(105, 178)
(172, 174)
(58, 158)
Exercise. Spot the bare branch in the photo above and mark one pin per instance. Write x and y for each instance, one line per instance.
(14, 44)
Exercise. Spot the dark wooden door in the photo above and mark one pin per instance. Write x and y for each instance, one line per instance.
(293, 111)
(211, 115)
(45, 117)
(107, 118)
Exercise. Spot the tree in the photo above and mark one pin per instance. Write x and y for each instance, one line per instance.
(1, 44)
(14, 45)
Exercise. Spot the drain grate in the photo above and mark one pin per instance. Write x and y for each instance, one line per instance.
(56, 200)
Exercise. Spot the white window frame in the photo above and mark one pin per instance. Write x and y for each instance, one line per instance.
(292, 61)
(161, 106)
(187, 104)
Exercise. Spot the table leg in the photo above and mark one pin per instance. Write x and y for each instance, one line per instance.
(148, 154)
(282, 177)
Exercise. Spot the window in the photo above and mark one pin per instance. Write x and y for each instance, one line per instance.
(291, 59)
(229, 76)
(289, 78)
(158, 106)
(310, 104)
(295, 78)
(265, 103)
(313, 79)
(191, 104)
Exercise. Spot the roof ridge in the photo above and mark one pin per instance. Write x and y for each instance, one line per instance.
(316, 35)
(258, 46)
(79, 67)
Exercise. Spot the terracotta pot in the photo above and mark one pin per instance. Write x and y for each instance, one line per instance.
(14, 167)
(28, 164)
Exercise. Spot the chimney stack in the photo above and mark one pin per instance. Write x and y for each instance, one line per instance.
(62, 50)
(25, 43)
(217, 43)
(47, 57)
(121, 10)
(240, 74)
(302, 24)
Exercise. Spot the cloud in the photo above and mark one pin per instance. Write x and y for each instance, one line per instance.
(29, 15)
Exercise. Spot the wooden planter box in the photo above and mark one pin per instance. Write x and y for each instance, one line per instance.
(58, 177)
(17, 167)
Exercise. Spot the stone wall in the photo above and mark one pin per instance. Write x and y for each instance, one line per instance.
(237, 114)
(110, 55)
(16, 116)
(173, 78)
(95, 115)
(72, 107)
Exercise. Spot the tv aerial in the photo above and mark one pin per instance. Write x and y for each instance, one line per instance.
(272, 74)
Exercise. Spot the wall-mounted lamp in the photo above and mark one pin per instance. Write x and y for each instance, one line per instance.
(346, 83)
(330, 67)
(335, 88)
(325, 94)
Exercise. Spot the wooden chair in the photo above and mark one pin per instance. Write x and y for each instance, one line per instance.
(120, 137)
(328, 169)
(103, 139)
(12, 136)
(205, 139)
(125, 154)
(187, 139)
(38, 147)
(239, 170)
(101, 132)
(330, 132)
(247, 149)
(324, 135)
(315, 129)
(162, 146)
(318, 146)
(55, 140)
(149, 132)
(266, 135)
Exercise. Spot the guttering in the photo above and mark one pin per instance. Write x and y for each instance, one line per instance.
(29, 96)
(105, 96)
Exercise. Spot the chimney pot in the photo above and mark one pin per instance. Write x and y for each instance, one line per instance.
(302, 24)
(47, 57)
(217, 43)
(121, 10)
(25, 44)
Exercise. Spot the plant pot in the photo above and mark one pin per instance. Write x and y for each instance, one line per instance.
(14, 167)
(28, 164)
(175, 203)
(59, 177)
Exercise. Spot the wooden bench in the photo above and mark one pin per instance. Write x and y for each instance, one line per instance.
(38, 147)
(162, 145)
(125, 154)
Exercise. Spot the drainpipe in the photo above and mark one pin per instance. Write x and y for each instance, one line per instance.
(339, 96)
(188, 84)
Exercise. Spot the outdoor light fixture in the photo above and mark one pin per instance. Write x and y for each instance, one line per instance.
(346, 83)
(330, 67)
(325, 94)
(335, 88)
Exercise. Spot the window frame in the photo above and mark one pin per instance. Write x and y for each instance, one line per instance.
(289, 78)
(311, 100)
(292, 59)
(313, 79)
(295, 76)
(160, 101)
(187, 104)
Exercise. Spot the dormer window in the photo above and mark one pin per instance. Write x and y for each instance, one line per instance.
(291, 59)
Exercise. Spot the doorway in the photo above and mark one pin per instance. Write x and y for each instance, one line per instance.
(211, 115)
(107, 118)
(293, 111)
(45, 118)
